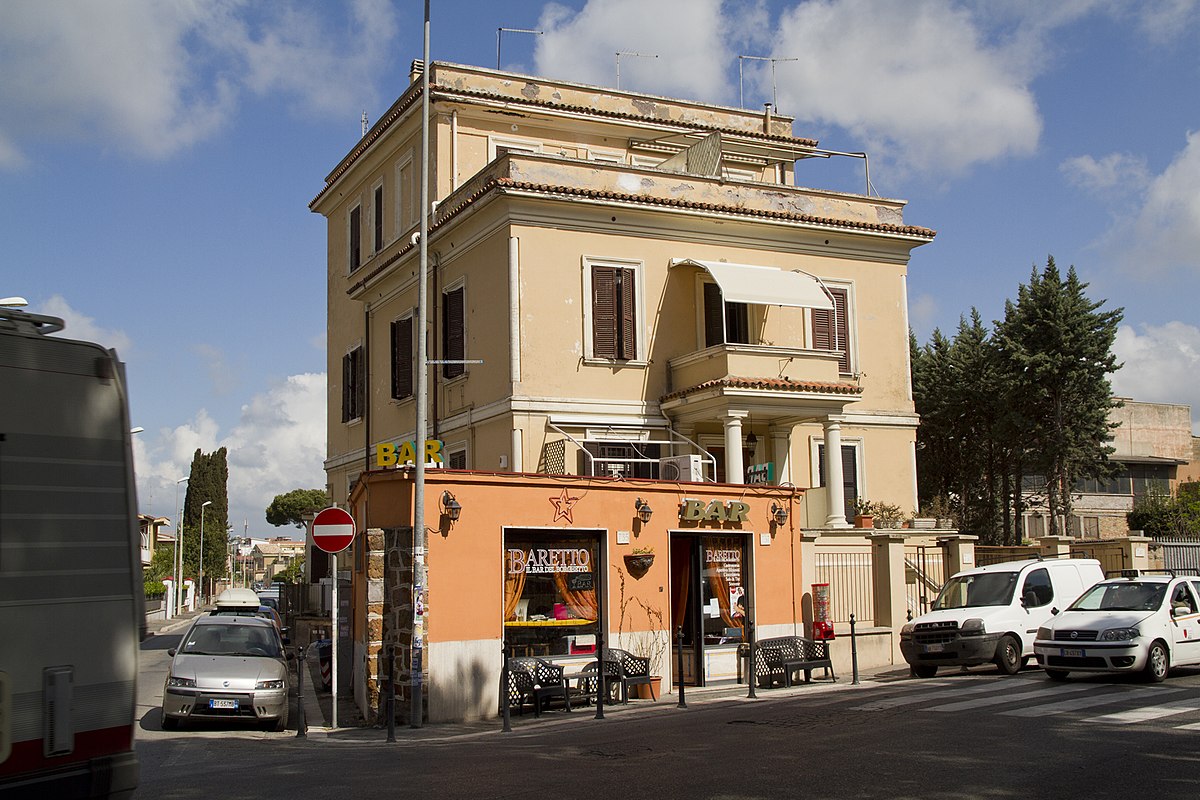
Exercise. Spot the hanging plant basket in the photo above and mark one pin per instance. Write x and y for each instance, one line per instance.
(639, 564)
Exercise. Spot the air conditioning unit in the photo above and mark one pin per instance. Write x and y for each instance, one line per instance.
(681, 468)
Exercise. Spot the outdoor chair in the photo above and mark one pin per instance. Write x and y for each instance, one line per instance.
(535, 681)
(625, 669)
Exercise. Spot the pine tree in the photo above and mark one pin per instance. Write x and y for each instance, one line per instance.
(207, 481)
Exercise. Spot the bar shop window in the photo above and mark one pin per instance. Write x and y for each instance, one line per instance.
(550, 586)
(722, 589)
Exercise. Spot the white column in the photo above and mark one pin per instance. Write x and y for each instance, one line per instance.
(834, 487)
(735, 470)
(781, 454)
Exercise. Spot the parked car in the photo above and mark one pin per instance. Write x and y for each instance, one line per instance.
(990, 614)
(1140, 623)
(245, 603)
(228, 668)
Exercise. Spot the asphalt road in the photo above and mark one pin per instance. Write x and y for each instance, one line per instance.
(973, 735)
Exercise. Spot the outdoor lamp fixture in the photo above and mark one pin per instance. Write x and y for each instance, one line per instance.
(451, 508)
(643, 509)
(779, 515)
(751, 440)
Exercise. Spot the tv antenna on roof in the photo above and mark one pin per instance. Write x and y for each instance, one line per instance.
(629, 53)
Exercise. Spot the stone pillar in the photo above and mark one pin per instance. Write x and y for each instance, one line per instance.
(1055, 546)
(958, 552)
(376, 666)
(781, 454)
(887, 559)
(834, 485)
(396, 619)
(1135, 551)
(735, 470)
(808, 575)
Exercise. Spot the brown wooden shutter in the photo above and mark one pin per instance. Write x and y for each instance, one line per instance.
(604, 312)
(714, 313)
(453, 333)
(355, 237)
(628, 344)
(831, 329)
(402, 354)
(346, 387)
(378, 218)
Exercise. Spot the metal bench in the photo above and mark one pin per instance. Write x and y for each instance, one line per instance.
(535, 681)
(777, 660)
(624, 669)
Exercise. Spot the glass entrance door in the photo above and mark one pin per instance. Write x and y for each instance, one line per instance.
(708, 601)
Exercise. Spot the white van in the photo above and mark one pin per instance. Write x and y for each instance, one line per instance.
(992, 614)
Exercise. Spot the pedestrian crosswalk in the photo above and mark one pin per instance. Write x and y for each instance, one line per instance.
(1032, 696)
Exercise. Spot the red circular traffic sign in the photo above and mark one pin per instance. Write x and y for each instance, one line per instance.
(333, 529)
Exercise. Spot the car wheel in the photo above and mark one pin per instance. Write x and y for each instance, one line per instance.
(1008, 655)
(1056, 674)
(923, 670)
(1158, 663)
(170, 723)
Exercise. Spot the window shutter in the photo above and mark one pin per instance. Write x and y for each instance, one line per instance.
(453, 334)
(378, 218)
(714, 307)
(346, 387)
(831, 329)
(355, 237)
(628, 344)
(604, 312)
(360, 383)
(402, 352)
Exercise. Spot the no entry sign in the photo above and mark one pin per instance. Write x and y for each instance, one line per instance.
(333, 530)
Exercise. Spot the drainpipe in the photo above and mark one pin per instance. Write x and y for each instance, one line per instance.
(514, 341)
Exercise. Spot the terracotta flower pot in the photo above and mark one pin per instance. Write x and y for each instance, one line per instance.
(649, 691)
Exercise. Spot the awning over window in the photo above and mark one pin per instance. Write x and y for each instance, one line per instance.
(764, 286)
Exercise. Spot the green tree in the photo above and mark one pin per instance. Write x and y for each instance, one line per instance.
(293, 573)
(1159, 515)
(1056, 347)
(290, 508)
(207, 481)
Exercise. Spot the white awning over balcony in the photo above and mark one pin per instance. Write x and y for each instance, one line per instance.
(764, 286)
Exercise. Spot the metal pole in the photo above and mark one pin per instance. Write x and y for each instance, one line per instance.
(504, 710)
(679, 661)
(301, 723)
(417, 715)
(333, 654)
(853, 650)
(601, 597)
(750, 658)
(391, 701)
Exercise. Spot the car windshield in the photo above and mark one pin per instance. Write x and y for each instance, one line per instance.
(1128, 596)
(982, 589)
(231, 640)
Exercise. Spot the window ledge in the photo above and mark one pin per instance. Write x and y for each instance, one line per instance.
(614, 362)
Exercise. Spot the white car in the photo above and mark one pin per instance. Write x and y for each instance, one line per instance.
(1142, 623)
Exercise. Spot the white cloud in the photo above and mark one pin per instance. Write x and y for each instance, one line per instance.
(1115, 171)
(692, 54)
(1161, 362)
(922, 311)
(1165, 231)
(80, 326)
(917, 82)
(278, 445)
(153, 78)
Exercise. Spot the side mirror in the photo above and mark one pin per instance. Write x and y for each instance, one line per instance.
(171, 652)
(1180, 611)
(290, 655)
(1054, 611)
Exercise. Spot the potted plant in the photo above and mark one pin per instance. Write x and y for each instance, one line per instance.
(864, 513)
(650, 644)
(887, 515)
(639, 561)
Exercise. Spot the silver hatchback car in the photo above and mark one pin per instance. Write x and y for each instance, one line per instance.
(228, 668)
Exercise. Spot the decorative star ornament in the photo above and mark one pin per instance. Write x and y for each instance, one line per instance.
(562, 507)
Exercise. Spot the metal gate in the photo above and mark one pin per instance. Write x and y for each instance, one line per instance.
(1181, 554)
(924, 574)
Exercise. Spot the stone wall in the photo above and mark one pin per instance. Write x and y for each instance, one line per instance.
(389, 619)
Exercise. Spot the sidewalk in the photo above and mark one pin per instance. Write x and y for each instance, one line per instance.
(317, 708)
(157, 627)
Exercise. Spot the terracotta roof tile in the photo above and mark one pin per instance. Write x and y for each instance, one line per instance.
(767, 384)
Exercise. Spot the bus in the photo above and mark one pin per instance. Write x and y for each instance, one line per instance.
(71, 593)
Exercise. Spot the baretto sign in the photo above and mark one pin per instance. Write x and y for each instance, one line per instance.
(549, 559)
(714, 511)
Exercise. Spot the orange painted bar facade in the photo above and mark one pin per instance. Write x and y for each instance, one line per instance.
(534, 560)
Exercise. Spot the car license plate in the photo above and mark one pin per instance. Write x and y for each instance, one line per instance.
(221, 702)
(1072, 653)
(934, 648)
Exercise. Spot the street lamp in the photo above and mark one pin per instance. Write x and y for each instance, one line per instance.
(179, 550)
(203, 506)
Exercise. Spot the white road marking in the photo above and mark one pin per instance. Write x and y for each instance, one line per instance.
(981, 702)
(1148, 713)
(1047, 709)
(952, 691)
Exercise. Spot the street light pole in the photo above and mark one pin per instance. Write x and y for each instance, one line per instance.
(203, 506)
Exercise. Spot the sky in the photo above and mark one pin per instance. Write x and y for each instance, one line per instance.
(157, 161)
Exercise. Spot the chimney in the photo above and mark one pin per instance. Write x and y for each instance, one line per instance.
(414, 72)
(766, 117)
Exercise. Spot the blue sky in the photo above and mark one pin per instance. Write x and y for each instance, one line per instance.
(157, 160)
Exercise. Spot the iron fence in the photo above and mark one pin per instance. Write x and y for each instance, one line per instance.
(850, 575)
(924, 574)
(1181, 554)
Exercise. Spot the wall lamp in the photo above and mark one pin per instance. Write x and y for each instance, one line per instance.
(779, 515)
(643, 509)
(451, 508)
